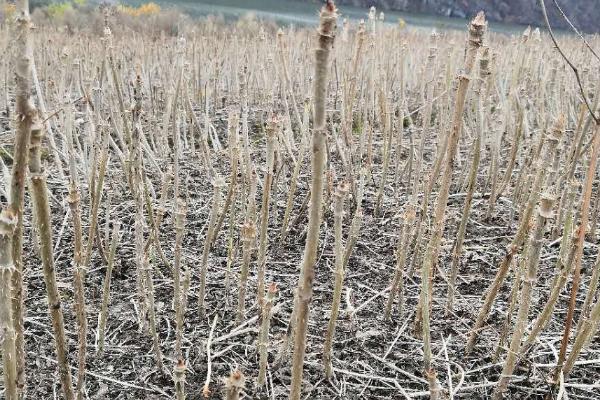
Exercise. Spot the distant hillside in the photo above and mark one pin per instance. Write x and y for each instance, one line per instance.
(585, 14)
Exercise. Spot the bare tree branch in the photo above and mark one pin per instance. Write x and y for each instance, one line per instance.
(558, 7)
(573, 67)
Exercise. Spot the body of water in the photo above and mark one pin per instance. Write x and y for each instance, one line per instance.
(305, 13)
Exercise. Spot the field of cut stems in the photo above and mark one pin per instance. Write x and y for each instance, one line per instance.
(352, 211)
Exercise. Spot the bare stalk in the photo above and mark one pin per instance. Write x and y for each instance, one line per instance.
(476, 32)
(591, 293)
(263, 338)
(581, 231)
(7, 330)
(218, 183)
(177, 292)
(206, 388)
(589, 327)
(25, 112)
(271, 131)
(248, 235)
(43, 218)
(387, 151)
(152, 320)
(137, 179)
(102, 318)
(234, 385)
(516, 144)
(457, 250)
(535, 245)
(328, 18)
(179, 379)
(562, 274)
(78, 272)
(514, 301)
(397, 285)
(234, 160)
(296, 172)
(519, 237)
(338, 216)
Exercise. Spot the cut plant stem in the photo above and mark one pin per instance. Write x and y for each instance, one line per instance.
(457, 250)
(325, 37)
(263, 338)
(565, 258)
(518, 239)
(234, 160)
(339, 199)
(7, 330)
(397, 285)
(533, 259)
(218, 184)
(41, 205)
(25, 112)
(177, 292)
(296, 172)
(476, 32)
(179, 379)
(106, 289)
(248, 237)
(234, 385)
(581, 231)
(271, 133)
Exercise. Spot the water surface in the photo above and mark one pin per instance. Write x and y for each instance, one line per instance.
(305, 13)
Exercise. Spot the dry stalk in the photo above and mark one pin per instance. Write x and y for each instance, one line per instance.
(96, 200)
(41, 204)
(516, 144)
(397, 285)
(263, 338)
(338, 215)
(476, 32)
(351, 92)
(160, 212)
(591, 293)
(457, 250)
(426, 122)
(137, 179)
(177, 292)
(7, 330)
(519, 237)
(296, 172)
(535, 245)
(562, 273)
(25, 112)
(103, 316)
(248, 235)
(288, 87)
(234, 385)
(78, 272)
(573, 158)
(325, 36)
(152, 320)
(218, 184)
(588, 328)
(271, 132)
(387, 151)
(356, 219)
(579, 241)
(496, 144)
(205, 389)
(179, 379)
(234, 160)
(514, 301)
